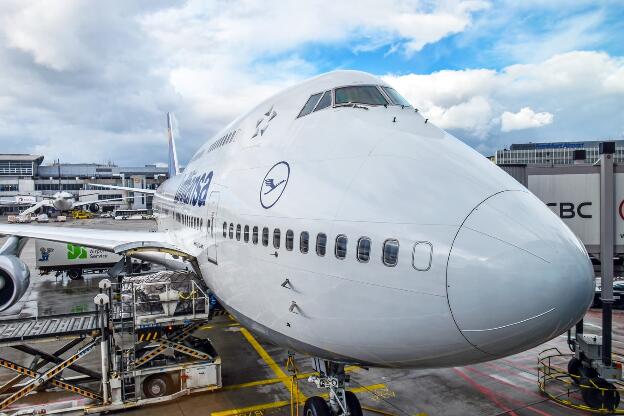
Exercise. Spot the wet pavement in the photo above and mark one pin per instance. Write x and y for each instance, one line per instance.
(256, 381)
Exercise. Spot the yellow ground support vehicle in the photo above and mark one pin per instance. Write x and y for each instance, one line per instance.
(81, 214)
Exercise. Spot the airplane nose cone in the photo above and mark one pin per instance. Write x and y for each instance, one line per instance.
(516, 276)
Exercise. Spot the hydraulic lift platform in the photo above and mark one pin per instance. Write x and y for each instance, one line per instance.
(143, 327)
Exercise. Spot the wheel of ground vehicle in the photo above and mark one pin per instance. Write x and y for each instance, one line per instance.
(598, 393)
(353, 404)
(74, 274)
(157, 385)
(316, 406)
(578, 371)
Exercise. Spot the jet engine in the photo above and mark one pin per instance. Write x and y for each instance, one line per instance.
(14, 280)
(94, 208)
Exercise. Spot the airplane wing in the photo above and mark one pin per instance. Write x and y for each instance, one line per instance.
(115, 241)
(125, 188)
(76, 204)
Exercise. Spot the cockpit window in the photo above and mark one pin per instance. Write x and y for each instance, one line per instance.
(309, 105)
(324, 102)
(360, 94)
(396, 98)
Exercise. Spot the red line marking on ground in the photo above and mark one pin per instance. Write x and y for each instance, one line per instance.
(485, 391)
(520, 365)
(540, 412)
(508, 371)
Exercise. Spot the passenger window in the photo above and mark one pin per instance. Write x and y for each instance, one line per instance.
(246, 234)
(238, 232)
(309, 105)
(254, 236)
(321, 244)
(290, 238)
(304, 240)
(324, 102)
(265, 236)
(276, 238)
(341, 247)
(422, 256)
(231, 230)
(363, 249)
(390, 252)
(225, 229)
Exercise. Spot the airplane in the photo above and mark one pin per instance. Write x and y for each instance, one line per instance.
(60, 201)
(334, 220)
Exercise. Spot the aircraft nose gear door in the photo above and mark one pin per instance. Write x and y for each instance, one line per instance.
(212, 206)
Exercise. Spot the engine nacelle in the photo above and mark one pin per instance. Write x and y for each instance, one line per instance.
(94, 208)
(14, 280)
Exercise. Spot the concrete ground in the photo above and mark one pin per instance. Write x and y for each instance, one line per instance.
(257, 383)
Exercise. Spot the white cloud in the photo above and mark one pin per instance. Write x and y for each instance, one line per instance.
(474, 115)
(91, 81)
(103, 74)
(580, 95)
(526, 118)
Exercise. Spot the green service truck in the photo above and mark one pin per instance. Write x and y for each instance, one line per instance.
(75, 260)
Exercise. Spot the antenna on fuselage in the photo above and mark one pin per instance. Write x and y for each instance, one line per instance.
(173, 168)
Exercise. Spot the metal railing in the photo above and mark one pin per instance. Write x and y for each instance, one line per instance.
(576, 391)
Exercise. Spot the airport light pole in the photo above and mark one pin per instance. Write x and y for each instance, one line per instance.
(607, 240)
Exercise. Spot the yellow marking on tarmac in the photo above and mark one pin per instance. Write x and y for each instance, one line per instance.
(264, 382)
(300, 376)
(283, 403)
(245, 410)
(218, 326)
(272, 364)
(362, 389)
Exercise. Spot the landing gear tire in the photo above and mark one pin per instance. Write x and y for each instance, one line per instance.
(316, 406)
(157, 386)
(598, 393)
(74, 274)
(578, 371)
(574, 369)
(353, 404)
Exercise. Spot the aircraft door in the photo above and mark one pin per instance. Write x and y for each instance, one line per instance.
(212, 206)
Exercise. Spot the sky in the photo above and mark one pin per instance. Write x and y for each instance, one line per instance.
(89, 81)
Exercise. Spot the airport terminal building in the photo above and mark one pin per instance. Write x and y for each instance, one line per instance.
(556, 153)
(22, 174)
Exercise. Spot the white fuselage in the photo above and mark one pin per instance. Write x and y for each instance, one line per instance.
(484, 268)
(63, 201)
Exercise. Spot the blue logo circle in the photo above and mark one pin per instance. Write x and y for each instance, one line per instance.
(273, 184)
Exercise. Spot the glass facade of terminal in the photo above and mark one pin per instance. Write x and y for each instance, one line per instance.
(16, 168)
(553, 153)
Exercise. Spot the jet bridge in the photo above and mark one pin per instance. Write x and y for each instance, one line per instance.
(143, 327)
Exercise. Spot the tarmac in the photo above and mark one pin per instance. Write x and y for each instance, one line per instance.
(256, 381)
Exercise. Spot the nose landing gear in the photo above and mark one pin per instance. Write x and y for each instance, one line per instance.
(341, 402)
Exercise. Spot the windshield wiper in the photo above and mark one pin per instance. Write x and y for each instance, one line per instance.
(352, 105)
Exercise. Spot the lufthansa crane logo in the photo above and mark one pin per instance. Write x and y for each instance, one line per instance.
(273, 184)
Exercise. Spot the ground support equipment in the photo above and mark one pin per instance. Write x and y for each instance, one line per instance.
(143, 327)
